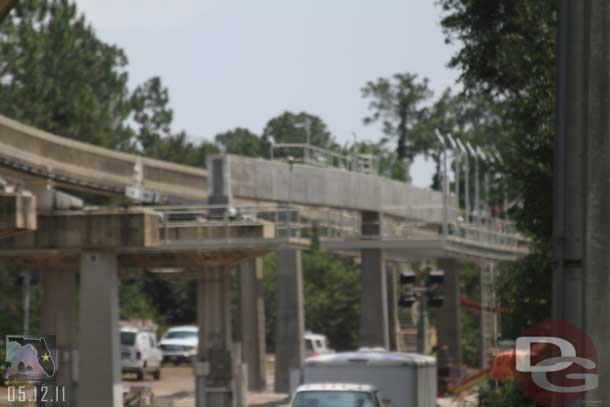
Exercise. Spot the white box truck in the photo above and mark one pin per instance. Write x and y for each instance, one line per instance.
(403, 379)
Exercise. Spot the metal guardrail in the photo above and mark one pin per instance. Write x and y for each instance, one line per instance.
(427, 222)
(286, 220)
(304, 153)
(412, 223)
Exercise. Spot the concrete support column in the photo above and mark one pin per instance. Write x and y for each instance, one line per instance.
(214, 367)
(99, 377)
(488, 318)
(290, 325)
(252, 322)
(581, 227)
(58, 318)
(374, 325)
(448, 316)
(393, 323)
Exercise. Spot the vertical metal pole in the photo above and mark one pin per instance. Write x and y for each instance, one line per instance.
(477, 203)
(458, 164)
(487, 204)
(421, 326)
(26, 279)
(445, 196)
(467, 186)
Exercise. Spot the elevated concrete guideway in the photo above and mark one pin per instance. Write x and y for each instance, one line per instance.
(29, 152)
(205, 225)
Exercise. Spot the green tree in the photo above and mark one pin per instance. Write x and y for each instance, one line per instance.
(294, 128)
(135, 304)
(508, 54)
(242, 141)
(331, 289)
(399, 105)
(153, 116)
(57, 75)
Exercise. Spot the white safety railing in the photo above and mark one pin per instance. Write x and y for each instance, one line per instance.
(304, 153)
(425, 222)
(285, 220)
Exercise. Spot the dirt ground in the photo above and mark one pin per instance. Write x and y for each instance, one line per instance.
(177, 385)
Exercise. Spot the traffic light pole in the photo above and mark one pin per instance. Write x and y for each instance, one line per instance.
(422, 343)
(425, 294)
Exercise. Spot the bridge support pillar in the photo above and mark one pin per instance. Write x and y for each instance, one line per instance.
(58, 317)
(374, 326)
(214, 370)
(393, 324)
(448, 316)
(290, 325)
(252, 322)
(99, 376)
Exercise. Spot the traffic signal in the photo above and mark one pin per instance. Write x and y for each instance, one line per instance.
(435, 277)
(407, 300)
(407, 277)
(435, 299)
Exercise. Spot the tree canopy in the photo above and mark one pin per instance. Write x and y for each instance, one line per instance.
(399, 105)
(57, 75)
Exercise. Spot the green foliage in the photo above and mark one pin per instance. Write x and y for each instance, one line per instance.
(397, 104)
(508, 54)
(270, 294)
(154, 137)
(135, 304)
(332, 298)
(525, 287)
(174, 299)
(242, 141)
(57, 75)
(470, 318)
(153, 116)
(294, 128)
(331, 288)
(507, 395)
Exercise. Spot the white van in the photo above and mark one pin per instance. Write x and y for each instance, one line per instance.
(316, 344)
(140, 353)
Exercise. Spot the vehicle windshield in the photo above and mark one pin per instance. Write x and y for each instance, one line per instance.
(181, 335)
(334, 399)
(128, 338)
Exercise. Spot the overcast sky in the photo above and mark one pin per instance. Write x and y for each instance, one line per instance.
(231, 63)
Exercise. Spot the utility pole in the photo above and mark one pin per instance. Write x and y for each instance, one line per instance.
(26, 283)
(425, 295)
(581, 197)
(467, 185)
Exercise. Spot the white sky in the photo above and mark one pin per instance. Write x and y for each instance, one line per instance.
(232, 63)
